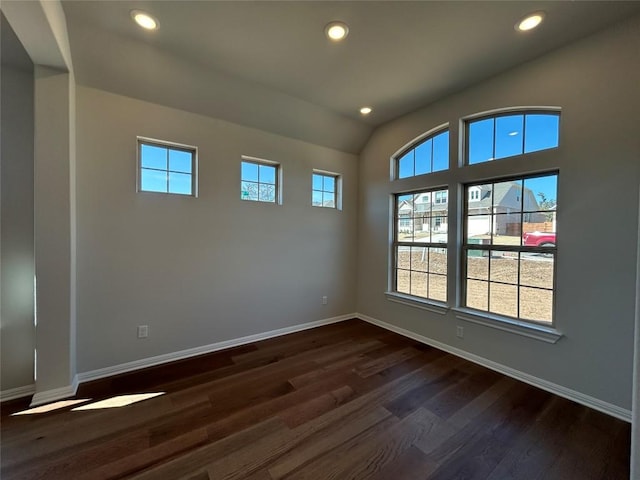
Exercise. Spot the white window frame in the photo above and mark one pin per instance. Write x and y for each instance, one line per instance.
(516, 250)
(412, 145)
(337, 200)
(170, 146)
(278, 178)
(459, 175)
(428, 303)
(495, 114)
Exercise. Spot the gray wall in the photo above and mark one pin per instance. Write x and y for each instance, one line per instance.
(635, 418)
(17, 250)
(41, 28)
(595, 81)
(207, 269)
(54, 184)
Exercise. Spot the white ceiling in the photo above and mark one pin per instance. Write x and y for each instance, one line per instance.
(268, 65)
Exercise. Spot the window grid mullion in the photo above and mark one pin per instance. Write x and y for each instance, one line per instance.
(493, 156)
(428, 273)
(164, 170)
(489, 281)
(521, 227)
(518, 288)
(524, 130)
(167, 170)
(413, 155)
(432, 155)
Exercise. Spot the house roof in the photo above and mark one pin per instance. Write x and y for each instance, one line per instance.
(268, 65)
(499, 196)
(505, 194)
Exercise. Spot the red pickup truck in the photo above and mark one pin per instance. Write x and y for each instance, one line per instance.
(539, 239)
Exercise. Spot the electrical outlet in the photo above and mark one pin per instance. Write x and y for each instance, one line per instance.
(460, 332)
(325, 300)
(143, 331)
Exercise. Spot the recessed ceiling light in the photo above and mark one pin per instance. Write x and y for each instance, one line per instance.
(145, 20)
(366, 110)
(336, 31)
(530, 22)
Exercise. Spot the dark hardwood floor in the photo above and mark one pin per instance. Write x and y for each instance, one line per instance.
(344, 401)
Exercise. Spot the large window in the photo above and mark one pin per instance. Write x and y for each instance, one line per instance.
(420, 244)
(166, 167)
(511, 134)
(510, 247)
(505, 218)
(427, 156)
(259, 180)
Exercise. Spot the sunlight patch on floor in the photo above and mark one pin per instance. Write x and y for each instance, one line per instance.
(119, 401)
(50, 407)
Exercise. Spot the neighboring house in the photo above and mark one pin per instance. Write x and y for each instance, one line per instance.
(430, 213)
(405, 216)
(502, 201)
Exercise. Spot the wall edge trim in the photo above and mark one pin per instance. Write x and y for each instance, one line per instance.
(18, 392)
(47, 396)
(204, 349)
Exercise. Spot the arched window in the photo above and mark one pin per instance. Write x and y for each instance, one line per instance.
(424, 155)
(509, 134)
(505, 214)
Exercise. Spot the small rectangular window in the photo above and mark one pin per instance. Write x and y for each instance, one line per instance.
(325, 190)
(259, 180)
(508, 135)
(510, 247)
(420, 244)
(166, 167)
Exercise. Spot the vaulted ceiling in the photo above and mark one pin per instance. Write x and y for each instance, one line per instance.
(268, 65)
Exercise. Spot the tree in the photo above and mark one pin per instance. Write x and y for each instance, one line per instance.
(547, 204)
(265, 192)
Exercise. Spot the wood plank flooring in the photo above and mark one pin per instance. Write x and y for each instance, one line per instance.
(345, 401)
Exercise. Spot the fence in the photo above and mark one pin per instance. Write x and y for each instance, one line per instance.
(513, 229)
(537, 227)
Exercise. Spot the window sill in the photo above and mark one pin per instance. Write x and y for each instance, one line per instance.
(424, 304)
(537, 332)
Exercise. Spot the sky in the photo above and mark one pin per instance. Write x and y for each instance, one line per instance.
(509, 135)
(491, 139)
(165, 169)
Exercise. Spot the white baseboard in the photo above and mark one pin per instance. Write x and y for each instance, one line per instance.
(18, 392)
(68, 391)
(581, 398)
(214, 347)
(40, 398)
